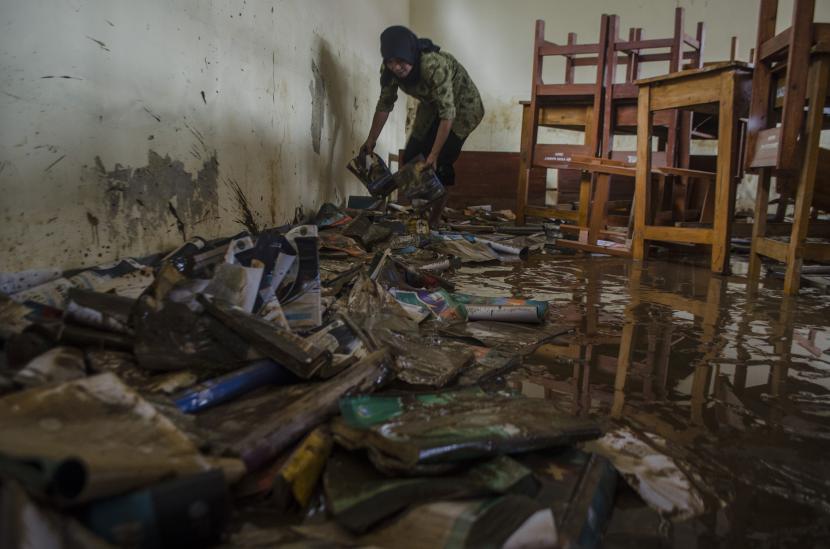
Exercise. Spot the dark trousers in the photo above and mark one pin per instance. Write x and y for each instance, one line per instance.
(446, 158)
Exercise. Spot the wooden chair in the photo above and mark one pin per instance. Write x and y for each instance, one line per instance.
(568, 105)
(620, 117)
(791, 71)
(620, 107)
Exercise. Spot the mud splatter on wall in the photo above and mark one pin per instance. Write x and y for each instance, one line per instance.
(159, 195)
(317, 87)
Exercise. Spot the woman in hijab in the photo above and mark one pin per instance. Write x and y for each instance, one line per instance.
(449, 105)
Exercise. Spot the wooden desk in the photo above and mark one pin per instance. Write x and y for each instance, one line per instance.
(722, 89)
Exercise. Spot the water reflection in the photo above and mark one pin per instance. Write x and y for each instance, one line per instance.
(734, 373)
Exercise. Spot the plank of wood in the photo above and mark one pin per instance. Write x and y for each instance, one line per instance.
(611, 235)
(548, 48)
(652, 43)
(678, 234)
(713, 68)
(775, 45)
(565, 90)
(695, 89)
(774, 249)
(564, 115)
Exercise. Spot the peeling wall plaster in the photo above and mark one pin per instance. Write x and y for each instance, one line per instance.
(125, 125)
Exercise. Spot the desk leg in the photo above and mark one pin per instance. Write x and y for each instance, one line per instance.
(643, 180)
(725, 178)
(524, 165)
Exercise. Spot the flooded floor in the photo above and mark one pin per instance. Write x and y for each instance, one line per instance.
(737, 382)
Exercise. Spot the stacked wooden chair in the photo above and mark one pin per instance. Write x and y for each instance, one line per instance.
(602, 110)
(568, 105)
(787, 114)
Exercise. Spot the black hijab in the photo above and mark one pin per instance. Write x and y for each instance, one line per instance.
(401, 43)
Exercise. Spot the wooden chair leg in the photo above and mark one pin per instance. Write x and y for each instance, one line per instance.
(585, 186)
(599, 207)
(523, 186)
(759, 227)
(680, 198)
(783, 202)
(807, 177)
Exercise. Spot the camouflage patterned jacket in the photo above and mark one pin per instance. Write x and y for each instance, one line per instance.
(445, 91)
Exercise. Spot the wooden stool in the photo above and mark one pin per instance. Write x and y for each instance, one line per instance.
(722, 89)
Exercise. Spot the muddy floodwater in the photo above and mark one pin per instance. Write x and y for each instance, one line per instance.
(735, 378)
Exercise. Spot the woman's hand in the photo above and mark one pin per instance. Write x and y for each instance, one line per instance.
(432, 161)
(368, 147)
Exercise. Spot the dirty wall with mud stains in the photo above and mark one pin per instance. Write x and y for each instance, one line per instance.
(129, 126)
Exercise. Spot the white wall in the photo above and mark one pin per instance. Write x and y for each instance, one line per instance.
(104, 125)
